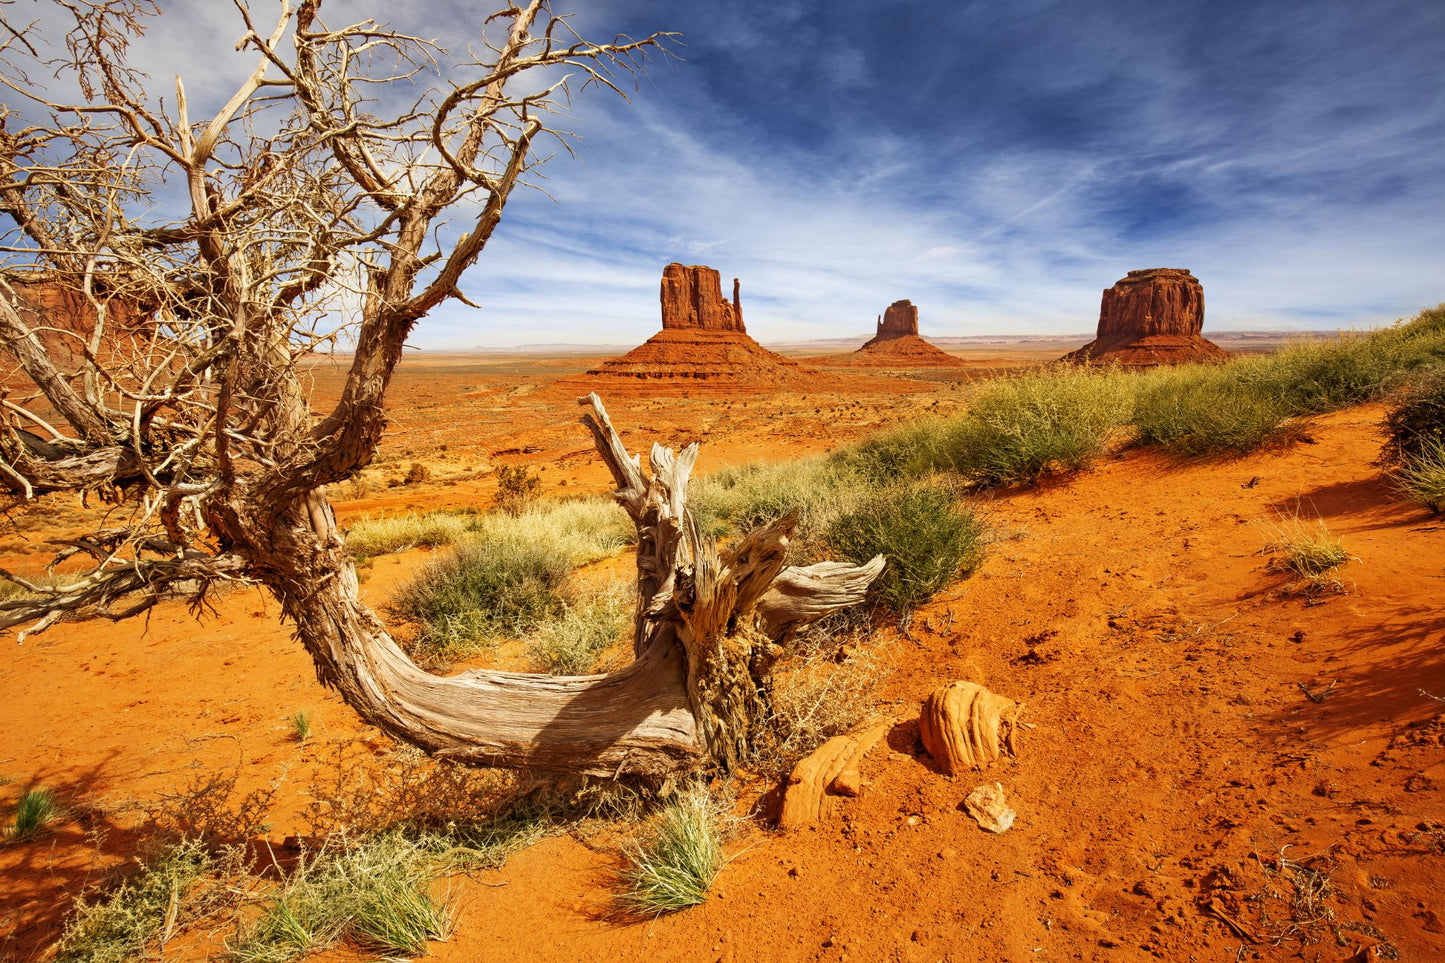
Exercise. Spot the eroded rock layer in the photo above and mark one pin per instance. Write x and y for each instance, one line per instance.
(1151, 317)
(692, 300)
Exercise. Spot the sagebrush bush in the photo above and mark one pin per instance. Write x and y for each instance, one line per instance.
(517, 487)
(825, 685)
(571, 643)
(1415, 419)
(478, 590)
(929, 538)
(675, 864)
(1195, 410)
(1059, 419)
(118, 927)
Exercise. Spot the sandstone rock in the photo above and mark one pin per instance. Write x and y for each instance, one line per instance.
(965, 726)
(900, 319)
(1153, 316)
(692, 298)
(819, 780)
(702, 340)
(989, 809)
(896, 343)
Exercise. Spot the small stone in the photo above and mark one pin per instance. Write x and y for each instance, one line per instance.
(913, 820)
(987, 806)
(848, 783)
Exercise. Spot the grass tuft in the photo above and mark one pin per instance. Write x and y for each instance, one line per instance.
(673, 867)
(301, 725)
(1421, 478)
(929, 538)
(372, 894)
(1197, 410)
(35, 810)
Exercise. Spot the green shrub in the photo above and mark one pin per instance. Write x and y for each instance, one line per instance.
(739, 499)
(673, 867)
(1415, 420)
(1051, 420)
(517, 487)
(907, 452)
(571, 643)
(1197, 410)
(1421, 476)
(478, 590)
(34, 811)
(928, 537)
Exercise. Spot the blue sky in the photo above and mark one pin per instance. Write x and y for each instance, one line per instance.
(998, 163)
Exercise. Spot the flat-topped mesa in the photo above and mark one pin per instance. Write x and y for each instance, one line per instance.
(1153, 301)
(1151, 317)
(692, 300)
(900, 320)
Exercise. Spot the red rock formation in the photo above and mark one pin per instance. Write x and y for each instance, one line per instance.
(900, 320)
(64, 319)
(692, 299)
(897, 344)
(1151, 317)
(702, 340)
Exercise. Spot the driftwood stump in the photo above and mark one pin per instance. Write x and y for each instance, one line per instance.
(709, 624)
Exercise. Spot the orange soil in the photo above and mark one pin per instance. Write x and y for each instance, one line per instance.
(1130, 608)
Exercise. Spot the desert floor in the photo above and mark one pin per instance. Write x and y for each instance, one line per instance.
(1219, 770)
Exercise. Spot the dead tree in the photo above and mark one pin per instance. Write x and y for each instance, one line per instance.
(170, 381)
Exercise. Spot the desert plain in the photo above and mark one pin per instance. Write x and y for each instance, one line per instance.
(1214, 768)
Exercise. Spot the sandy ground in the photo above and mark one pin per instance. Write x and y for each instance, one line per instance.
(1200, 734)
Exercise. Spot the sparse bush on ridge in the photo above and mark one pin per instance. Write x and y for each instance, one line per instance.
(1196, 410)
(1415, 421)
(1421, 477)
(517, 487)
(929, 537)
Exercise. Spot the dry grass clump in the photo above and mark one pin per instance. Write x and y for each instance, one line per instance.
(572, 642)
(177, 886)
(371, 894)
(675, 863)
(517, 487)
(1310, 554)
(368, 536)
(826, 686)
(929, 537)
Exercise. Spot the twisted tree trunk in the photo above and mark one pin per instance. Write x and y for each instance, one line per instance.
(708, 627)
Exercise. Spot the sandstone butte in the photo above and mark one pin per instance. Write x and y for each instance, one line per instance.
(64, 319)
(898, 344)
(1152, 317)
(702, 339)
